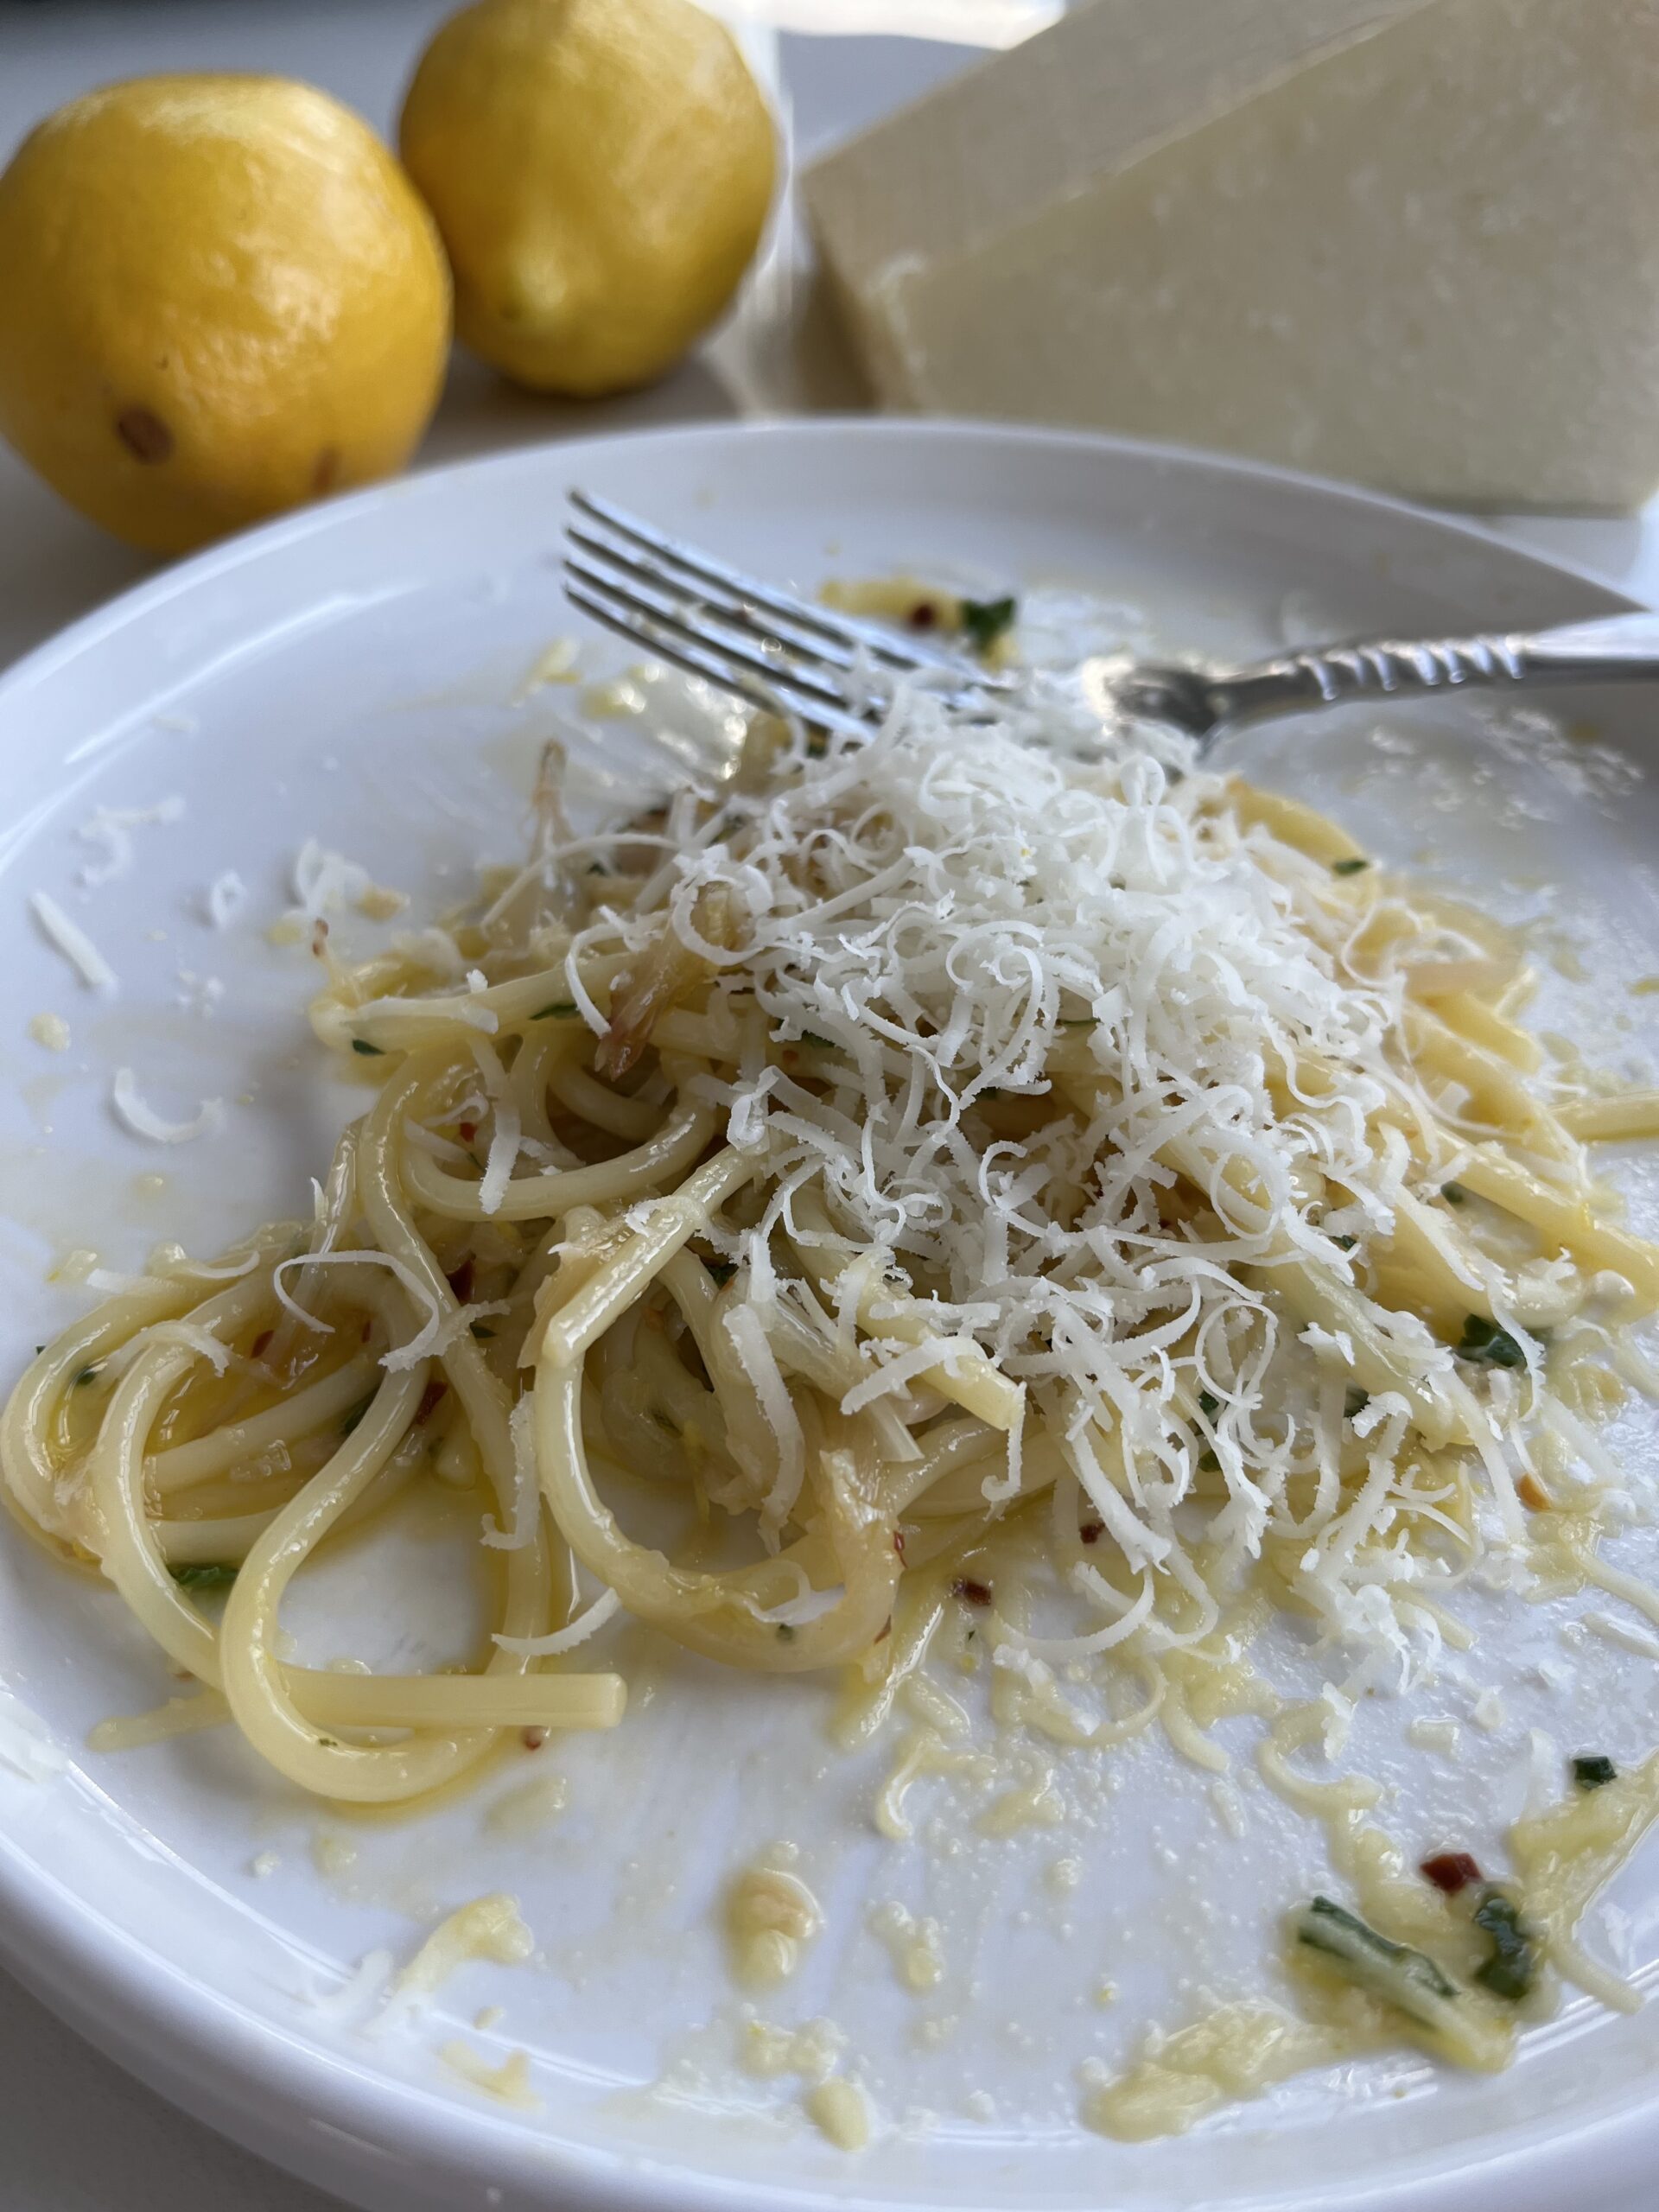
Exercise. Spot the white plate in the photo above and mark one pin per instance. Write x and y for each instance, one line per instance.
(355, 673)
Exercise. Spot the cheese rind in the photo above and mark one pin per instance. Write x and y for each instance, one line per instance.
(1416, 243)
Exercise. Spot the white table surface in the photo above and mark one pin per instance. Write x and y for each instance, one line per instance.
(76, 2135)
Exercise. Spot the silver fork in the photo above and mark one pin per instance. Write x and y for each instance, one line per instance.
(767, 647)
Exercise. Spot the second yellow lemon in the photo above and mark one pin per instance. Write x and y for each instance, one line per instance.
(601, 171)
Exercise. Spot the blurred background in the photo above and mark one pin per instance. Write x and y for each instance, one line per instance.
(830, 66)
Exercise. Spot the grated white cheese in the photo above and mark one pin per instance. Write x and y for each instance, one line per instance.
(145, 1122)
(224, 900)
(324, 882)
(505, 1130)
(1441, 1736)
(952, 916)
(586, 1624)
(1488, 1712)
(111, 828)
(72, 941)
(1625, 1634)
(200, 994)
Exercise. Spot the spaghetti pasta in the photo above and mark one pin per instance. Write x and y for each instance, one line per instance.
(971, 1129)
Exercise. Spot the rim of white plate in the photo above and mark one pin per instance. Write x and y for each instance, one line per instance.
(344, 2126)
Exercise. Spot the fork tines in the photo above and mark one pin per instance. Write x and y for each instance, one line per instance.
(736, 632)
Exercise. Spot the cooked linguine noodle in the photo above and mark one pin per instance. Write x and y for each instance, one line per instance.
(974, 1137)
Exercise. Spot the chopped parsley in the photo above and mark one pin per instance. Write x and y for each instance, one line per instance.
(1455, 1194)
(1354, 1403)
(368, 1052)
(822, 1044)
(985, 620)
(1344, 1243)
(1207, 1462)
(1513, 1966)
(1208, 1404)
(1349, 866)
(721, 1270)
(1595, 1771)
(561, 1010)
(1392, 1971)
(203, 1575)
(1484, 1344)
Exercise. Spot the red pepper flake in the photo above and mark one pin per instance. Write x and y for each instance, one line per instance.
(461, 1280)
(1451, 1870)
(261, 1343)
(898, 1542)
(533, 1738)
(969, 1592)
(924, 615)
(465, 1131)
(1091, 1532)
(431, 1398)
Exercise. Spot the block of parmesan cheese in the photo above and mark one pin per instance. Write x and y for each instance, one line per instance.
(1411, 242)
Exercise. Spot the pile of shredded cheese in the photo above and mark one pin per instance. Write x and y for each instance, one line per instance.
(1086, 1061)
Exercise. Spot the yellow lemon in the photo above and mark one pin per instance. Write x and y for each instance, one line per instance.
(601, 171)
(219, 296)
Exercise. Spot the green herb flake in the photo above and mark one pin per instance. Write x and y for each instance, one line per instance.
(1208, 1404)
(1348, 866)
(1354, 1403)
(1484, 1344)
(368, 1052)
(1513, 1968)
(1392, 1971)
(329, 1743)
(721, 1270)
(1207, 1462)
(561, 1010)
(1344, 1243)
(1595, 1771)
(985, 620)
(203, 1575)
(355, 1415)
(822, 1044)
(1455, 1194)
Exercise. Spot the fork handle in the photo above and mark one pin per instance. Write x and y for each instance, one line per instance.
(1623, 649)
